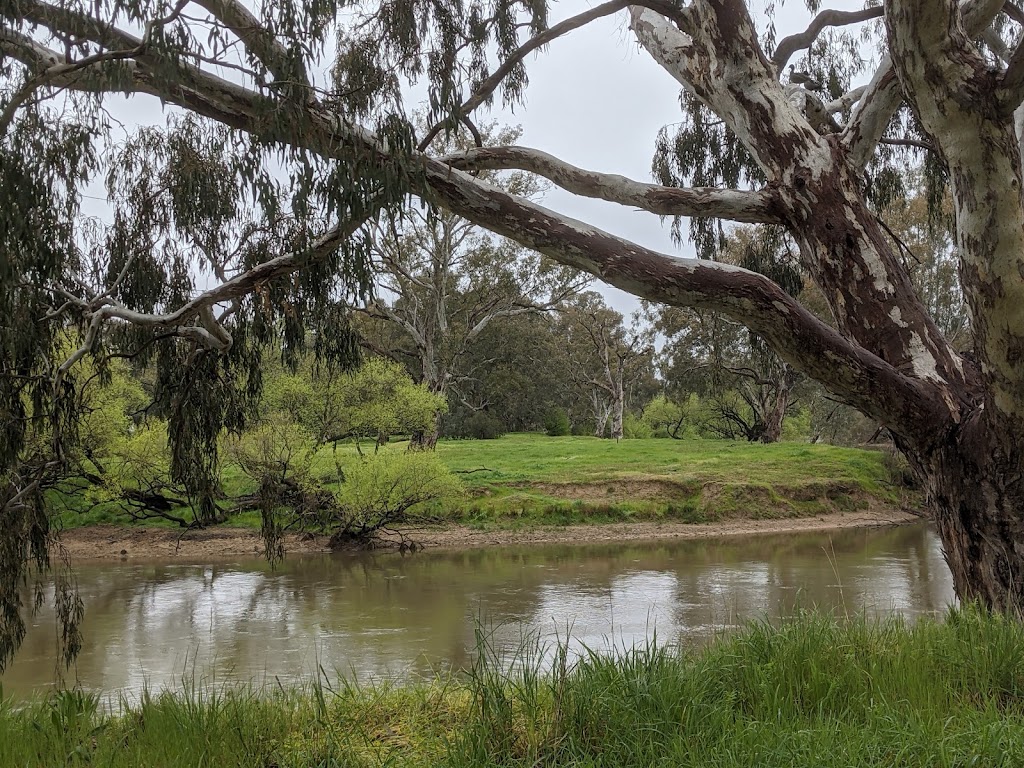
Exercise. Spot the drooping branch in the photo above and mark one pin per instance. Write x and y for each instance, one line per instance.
(735, 205)
(827, 18)
(54, 73)
(195, 320)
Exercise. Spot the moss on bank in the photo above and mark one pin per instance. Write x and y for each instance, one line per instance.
(814, 691)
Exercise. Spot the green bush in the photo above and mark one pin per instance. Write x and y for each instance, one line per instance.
(556, 423)
(388, 488)
(635, 428)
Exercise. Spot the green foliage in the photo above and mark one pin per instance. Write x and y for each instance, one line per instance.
(479, 425)
(635, 428)
(376, 400)
(556, 423)
(388, 488)
(274, 450)
(663, 417)
(138, 461)
(797, 425)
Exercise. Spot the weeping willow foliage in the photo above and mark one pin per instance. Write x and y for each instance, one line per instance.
(190, 205)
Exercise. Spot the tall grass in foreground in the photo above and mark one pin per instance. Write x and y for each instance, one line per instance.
(813, 691)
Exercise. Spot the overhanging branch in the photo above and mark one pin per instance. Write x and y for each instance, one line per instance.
(749, 207)
(827, 18)
(750, 298)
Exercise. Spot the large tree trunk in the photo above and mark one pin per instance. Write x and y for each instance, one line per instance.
(426, 439)
(601, 413)
(617, 410)
(436, 382)
(976, 484)
(618, 406)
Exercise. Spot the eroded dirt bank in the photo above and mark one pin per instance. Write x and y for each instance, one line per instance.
(107, 542)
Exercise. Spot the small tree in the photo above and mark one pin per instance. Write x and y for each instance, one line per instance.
(387, 490)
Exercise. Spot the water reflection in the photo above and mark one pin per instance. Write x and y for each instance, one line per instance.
(386, 615)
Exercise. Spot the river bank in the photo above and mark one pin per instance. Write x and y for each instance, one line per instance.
(809, 691)
(111, 542)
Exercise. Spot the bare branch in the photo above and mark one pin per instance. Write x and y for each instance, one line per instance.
(827, 18)
(846, 101)
(735, 205)
(908, 143)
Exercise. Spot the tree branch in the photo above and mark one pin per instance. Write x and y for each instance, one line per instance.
(800, 338)
(258, 40)
(884, 94)
(827, 18)
(876, 106)
(1011, 84)
(735, 205)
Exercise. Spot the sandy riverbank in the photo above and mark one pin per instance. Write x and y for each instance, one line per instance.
(106, 542)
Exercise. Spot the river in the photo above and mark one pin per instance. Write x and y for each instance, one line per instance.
(386, 615)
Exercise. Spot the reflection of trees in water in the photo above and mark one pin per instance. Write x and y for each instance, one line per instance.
(379, 613)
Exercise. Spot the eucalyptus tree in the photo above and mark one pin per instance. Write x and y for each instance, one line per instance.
(266, 228)
(606, 358)
(749, 386)
(443, 281)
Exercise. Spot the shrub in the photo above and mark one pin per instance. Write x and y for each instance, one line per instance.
(635, 428)
(662, 416)
(556, 423)
(385, 489)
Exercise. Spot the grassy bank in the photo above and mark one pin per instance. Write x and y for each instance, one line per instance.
(811, 692)
(535, 478)
(524, 480)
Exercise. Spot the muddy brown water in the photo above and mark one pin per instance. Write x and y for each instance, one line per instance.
(391, 616)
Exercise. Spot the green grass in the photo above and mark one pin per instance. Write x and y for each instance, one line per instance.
(532, 479)
(813, 691)
(524, 480)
